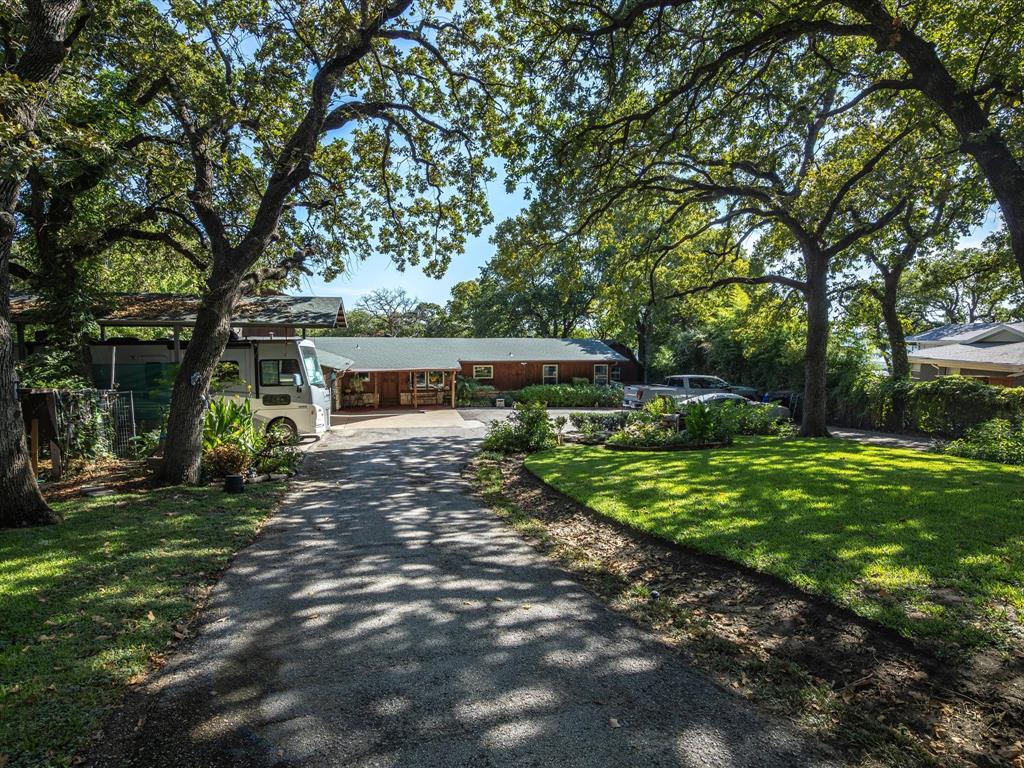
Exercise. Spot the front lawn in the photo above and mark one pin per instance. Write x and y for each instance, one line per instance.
(928, 544)
(86, 606)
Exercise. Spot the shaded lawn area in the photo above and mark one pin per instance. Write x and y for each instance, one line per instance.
(86, 606)
(930, 545)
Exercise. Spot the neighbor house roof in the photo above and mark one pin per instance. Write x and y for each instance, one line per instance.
(329, 359)
(382, 353)
(962, 332)
(1002, 356)
(164, 309)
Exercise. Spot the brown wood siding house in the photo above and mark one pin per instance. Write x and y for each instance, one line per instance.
(383, 372)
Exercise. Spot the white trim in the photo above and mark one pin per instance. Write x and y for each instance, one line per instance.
(543, 373)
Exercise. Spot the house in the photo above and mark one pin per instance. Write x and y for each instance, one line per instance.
(992, 352)
(370, 371)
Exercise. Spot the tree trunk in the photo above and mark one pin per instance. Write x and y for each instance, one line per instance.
(815, 418)
(899, 363)
(893, 326)
(643, 345)
(183, 449)
(21, 503)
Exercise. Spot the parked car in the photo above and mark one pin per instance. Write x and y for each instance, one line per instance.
(791, 399)
(779, 411)
(685, 385)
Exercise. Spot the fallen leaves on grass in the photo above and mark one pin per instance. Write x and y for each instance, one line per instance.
(852, 682)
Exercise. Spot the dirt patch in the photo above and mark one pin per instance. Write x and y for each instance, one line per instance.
(115, 475)
(855, 684)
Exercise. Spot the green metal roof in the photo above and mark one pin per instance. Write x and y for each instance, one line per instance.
(383, 353)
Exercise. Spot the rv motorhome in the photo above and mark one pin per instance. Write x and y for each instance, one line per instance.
(281, 378)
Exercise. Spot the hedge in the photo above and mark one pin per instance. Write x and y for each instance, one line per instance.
(570, 395)
(948, 406)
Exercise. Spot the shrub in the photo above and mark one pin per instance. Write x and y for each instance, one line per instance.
(527, 430)
(996, 440)
(146, 444)
(226, 459)
(649, 434)
(590, 424)
(571, 395)
(704, 424)
(229, 420)
(754, 420)
(711, 424)
(472, 392)
(278, 454)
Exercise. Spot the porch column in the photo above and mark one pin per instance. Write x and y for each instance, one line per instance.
(412, 378)
(452, 375)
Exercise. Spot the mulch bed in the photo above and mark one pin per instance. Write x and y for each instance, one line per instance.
(117, 475)
(855, 684)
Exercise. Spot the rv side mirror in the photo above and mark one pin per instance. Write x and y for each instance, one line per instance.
(297, 379)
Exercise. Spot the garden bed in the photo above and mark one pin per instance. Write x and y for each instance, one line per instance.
(855, 683)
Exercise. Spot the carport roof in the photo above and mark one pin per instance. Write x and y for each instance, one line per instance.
(382, 353)
(168, 310)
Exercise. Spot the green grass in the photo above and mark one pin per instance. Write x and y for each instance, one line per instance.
(85, 606)
(930, 545)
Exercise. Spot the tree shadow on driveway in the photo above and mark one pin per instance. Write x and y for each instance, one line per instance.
(385, 619)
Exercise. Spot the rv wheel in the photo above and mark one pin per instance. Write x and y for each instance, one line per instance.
(285, 428)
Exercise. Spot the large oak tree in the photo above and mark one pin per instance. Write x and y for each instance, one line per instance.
(36, 38)
(317, 132)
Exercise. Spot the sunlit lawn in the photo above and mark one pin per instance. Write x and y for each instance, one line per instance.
(85, 605)
(930, 545)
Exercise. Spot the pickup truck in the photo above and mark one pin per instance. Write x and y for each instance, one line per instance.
(679, 387)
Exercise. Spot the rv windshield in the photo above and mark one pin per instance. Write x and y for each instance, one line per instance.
(313, 373)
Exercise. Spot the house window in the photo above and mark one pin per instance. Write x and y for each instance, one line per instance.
(616, 373)
(427, 379)
(278, 373)
(549, 374)
(601, 373)
(483, 371)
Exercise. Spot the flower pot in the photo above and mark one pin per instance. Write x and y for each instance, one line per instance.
(233, 484)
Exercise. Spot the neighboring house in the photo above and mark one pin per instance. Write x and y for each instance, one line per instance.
(992, 352)
(389, 372)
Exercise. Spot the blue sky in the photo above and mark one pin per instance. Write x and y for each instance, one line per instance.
(378, 271)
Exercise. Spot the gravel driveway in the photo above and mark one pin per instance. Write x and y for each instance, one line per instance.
(385, 619)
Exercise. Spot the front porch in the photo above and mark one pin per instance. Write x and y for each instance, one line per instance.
(359, 391)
